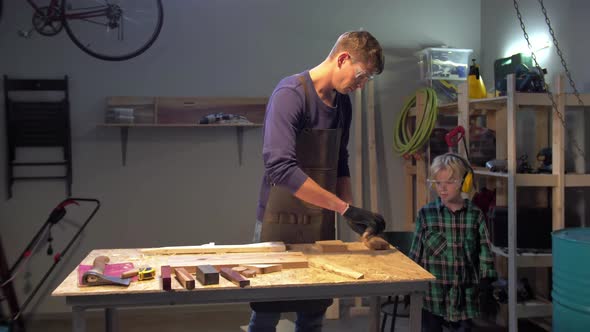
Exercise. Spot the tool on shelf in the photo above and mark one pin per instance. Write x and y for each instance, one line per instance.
(215, 118)
(477, 88)
(453, 138)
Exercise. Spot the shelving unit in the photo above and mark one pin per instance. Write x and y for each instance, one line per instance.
(500, 113)
(184, 112)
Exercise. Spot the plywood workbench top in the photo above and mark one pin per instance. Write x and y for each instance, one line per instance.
(386, 266)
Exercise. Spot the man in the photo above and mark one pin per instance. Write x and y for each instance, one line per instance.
(305, 154)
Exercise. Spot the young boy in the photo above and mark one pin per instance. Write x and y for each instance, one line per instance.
(451, 242)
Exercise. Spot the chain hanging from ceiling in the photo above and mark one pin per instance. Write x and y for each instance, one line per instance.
(563, 63)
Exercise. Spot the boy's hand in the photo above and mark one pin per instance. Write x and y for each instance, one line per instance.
(361, 220)
(374, 242)
(487, 304)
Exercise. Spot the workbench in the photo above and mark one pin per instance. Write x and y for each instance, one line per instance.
(386, 272)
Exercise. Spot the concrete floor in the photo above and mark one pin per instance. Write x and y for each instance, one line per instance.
(215, 318)
(194, 318)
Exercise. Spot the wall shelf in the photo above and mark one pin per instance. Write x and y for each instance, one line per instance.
(527, 259)
(181, 112)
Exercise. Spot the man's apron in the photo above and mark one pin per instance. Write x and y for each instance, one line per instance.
(291, 220)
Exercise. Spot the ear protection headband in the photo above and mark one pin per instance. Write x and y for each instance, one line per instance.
(467, 181)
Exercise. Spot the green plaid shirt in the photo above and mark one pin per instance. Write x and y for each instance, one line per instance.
(455, 248)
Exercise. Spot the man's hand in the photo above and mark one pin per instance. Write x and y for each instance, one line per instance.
(361, 220)
(374, 242)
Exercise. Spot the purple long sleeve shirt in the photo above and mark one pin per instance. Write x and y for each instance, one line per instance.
(284, 119)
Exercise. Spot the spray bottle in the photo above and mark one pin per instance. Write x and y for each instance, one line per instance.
(475, 82)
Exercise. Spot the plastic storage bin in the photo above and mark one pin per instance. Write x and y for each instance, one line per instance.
(444, 63)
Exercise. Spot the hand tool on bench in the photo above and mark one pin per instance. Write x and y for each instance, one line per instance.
(96, 276)
(142, 273)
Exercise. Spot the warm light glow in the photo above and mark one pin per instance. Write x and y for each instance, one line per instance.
(539, 43)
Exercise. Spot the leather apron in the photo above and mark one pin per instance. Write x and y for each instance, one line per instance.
(287, 218)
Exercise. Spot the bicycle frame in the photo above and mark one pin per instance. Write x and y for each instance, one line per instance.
(81, 15)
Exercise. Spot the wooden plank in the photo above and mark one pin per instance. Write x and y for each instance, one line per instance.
(143, 108)
(558, 159)
(409, 190)
(186, 280)
(207, 275)
(491, 118)
(531, 99)
(358, 148)
(463, 117)
(331, 246)
(572, 101)
(512, 236)
(577, 180)
(372, 147)
(130, 101)
(541, 198)
(536, 180)
(244, 271)
(289, 260)
(335, 268)
(415, 312)
(192, 109)
(358, 156)
(265, 268)
(489, 104)
(421, 166)
(234, 277)
(501, 153)
(165, 271)
(217, 249)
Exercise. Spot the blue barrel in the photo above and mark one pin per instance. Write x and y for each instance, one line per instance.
(571, 279)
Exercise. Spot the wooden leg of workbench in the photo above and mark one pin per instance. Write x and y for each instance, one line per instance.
(333, 311)
(111, 319)
(416, 312)
(375, 313)
(78, 319)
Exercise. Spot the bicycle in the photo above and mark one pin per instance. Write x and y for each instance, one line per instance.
(111, 30)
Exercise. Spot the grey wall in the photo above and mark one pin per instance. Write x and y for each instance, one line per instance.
(184, 186)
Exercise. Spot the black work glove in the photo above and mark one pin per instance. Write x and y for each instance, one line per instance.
(488, 305)
(361, 220)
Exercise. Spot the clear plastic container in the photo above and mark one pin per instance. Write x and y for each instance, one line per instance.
(444, 63)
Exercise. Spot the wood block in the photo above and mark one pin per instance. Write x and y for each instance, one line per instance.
(331, 246)
(245, 271)
(234, 277)
(289, 260)
(130, 273)
(265, 268)
(207, 275)
(218, 249)
(248, 273)
(165, 275)
(186, 279)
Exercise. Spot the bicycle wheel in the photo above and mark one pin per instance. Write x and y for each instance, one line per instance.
(113, 30)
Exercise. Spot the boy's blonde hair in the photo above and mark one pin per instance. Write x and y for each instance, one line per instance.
(457, 165)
